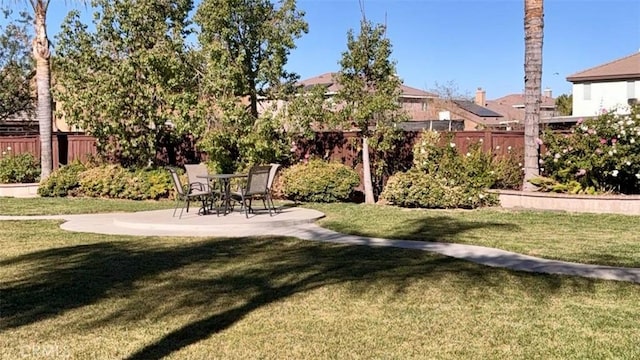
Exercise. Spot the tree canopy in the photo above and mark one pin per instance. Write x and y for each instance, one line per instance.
(247, 44)
(16, 66)
(564, 104)
(133, 80)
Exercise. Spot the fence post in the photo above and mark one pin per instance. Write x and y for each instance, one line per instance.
(487, 141)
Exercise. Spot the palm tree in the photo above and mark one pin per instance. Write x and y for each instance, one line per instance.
(41, 55)
(533, 33)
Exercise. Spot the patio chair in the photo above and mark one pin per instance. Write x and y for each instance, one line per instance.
(256, 187)
(272, 175)
(186, 195)
(198, 182)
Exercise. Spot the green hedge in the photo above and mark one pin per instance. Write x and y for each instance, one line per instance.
(109, 181)
(417, 189)
(319, 181)
(20, 168)
(62, 182)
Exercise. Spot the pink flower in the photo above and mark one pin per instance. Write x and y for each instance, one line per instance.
(603, 141)
(598, 151)
(614, 140)
(581, 172)
(579, 121)
(539, 142)
(591, 131)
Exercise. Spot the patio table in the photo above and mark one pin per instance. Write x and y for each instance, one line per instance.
(225, 186)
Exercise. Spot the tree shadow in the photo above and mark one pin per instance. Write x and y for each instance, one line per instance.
(272, 269)
(434, 229)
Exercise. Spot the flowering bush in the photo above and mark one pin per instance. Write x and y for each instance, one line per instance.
(601, 154)
(441, 177)
(18, 168)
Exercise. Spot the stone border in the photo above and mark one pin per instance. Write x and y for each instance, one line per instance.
(609, 204)
(27, 190)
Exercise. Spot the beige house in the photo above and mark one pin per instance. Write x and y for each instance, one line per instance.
(427, 110)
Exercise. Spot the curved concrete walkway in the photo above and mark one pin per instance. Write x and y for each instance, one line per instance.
(299, 222)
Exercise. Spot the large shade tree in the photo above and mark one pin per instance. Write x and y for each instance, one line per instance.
(533, 34)
(245, 47)
(370, 89)
(248, 43)
(132, 81)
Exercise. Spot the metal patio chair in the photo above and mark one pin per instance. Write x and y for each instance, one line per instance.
(256, 187)
(188, 194)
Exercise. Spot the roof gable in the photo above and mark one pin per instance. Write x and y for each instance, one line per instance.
(627, 67)
(329, 81)
(517, 101)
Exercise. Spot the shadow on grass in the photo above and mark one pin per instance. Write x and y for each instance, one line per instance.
(223, 280)
(435, 229)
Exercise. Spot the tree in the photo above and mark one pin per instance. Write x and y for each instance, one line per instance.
(450, 91)
(245, 46)
(247, 43)
(132, 82)
(41, 55)
(16, 67)
(533, 34)
(564, 104)
(370, 89)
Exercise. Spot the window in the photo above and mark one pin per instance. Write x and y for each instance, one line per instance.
(631, 89)
(424, 105)
(586, 91)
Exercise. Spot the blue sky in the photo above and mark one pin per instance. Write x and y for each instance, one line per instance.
(474, 43)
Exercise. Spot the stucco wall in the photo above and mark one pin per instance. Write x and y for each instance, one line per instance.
(604, 95)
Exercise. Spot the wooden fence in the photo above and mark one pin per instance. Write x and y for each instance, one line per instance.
(66, 147)
(343, 147)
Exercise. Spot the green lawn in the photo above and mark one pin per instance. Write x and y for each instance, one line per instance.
(88, 296)
(587, 238)
(55, 206)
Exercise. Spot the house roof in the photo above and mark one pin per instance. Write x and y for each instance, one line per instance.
(627, 67)
(476, 109)
(329, 81)
(517, 101)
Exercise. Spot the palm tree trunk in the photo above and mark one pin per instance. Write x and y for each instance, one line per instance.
(533, 34)
(43, 83)
(366, 172)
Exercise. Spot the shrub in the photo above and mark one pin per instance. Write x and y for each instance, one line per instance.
(443, 178)
(63, 182)
(18, 168)
(418, 189)
(114, 181)
(508, 171)
(319, 181)
(601, 154)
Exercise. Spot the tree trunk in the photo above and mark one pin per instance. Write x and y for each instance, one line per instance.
(533, 34)
(41, 55)
(366, 172)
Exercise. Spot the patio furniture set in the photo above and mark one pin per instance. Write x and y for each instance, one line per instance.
(214, 193)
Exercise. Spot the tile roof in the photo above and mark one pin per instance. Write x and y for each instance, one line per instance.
(627, 67)
(329, 80)
(517, 101)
